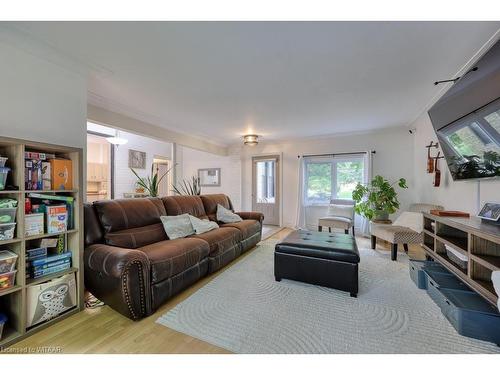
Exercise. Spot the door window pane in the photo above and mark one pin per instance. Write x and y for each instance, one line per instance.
(349, 174)
(265, 171)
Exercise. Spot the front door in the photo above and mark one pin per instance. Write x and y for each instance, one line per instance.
(265, 191)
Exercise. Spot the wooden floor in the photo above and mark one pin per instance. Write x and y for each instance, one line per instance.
(102, 330)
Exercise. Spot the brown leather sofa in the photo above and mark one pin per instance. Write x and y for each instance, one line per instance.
(132, 266)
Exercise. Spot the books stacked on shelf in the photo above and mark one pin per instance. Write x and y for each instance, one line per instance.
(59, 210)
(43, 266)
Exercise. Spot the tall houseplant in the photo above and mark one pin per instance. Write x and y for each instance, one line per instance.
(151, 183)
(378, 198)
(188, 187)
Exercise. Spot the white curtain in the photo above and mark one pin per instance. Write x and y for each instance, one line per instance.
(368, 167)
(300, 220)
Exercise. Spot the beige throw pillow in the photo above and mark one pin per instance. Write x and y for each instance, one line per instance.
(177, 226)
(226, 216)
(201, 226)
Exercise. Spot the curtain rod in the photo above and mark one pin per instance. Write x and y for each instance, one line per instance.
(340, 153)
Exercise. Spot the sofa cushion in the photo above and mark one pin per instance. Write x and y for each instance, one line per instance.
(169, 258)
(184, 204)
(136, 237)
(210, 202)
(220, 240)
(178, 226)
(120, 214)
(247, 227)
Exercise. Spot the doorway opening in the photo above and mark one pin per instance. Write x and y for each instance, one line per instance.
(265, 188)
(161, 165)
(100, 160)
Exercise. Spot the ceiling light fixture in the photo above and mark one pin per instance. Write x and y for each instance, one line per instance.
(251, 139)
(117, 140)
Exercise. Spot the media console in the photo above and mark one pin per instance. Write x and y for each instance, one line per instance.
(475, 240)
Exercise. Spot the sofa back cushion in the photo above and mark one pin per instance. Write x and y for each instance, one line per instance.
(131, 223)
(184, 204)
(93, 231)
(210, 202)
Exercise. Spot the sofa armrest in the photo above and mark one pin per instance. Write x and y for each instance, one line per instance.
(251, 216)
(120, 278)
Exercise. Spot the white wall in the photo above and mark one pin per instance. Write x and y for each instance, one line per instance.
(453, 195)
(39, 100)
(393, 160)
(191, 160)
(124, 178)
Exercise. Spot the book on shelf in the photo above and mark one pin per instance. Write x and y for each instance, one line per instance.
(36, 252)
(50, 270)
(49, 265)
(38, 155)
(33, 175)
(51, 197)
(51, 258)
(35, 257)
(57, 218)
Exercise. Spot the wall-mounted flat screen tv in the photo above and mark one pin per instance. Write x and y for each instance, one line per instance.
(467, 120)
(471, 145)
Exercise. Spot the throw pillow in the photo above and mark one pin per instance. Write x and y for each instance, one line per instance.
(177, 226)
(201, 226)
(226, 216)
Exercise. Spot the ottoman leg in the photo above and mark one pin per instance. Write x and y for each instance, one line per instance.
(374, 242)
(405, 245)
(394, 251)
(320, 228)
(278, 279)
(354, 295)
(330, 229)
(346, 231)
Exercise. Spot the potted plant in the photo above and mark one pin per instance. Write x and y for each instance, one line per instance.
(377, 199)
(188, 187)
(151, 183)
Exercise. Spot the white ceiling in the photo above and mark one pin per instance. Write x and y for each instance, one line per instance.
(281, 80)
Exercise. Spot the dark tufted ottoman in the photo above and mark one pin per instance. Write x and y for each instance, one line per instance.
(327, 259)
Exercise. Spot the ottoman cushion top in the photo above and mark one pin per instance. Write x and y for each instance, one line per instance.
(333, 246)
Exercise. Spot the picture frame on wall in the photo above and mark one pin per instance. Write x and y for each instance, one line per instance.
(209, 176)
(136, 159)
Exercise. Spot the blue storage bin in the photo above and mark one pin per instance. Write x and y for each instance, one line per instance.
(445, 280)
(417, 273)
(436, 281)
(471, 315)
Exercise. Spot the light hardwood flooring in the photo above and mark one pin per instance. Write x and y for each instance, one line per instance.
(102, 330)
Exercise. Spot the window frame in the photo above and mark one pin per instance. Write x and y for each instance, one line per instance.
(333, 161)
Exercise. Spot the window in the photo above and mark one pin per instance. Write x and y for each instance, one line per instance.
(265, 181)
(332, 178)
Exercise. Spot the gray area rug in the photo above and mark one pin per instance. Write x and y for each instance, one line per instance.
(244, 310)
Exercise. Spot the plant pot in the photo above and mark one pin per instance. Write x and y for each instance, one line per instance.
(381, 215)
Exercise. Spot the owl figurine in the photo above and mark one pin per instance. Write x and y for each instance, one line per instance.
(51, 302)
